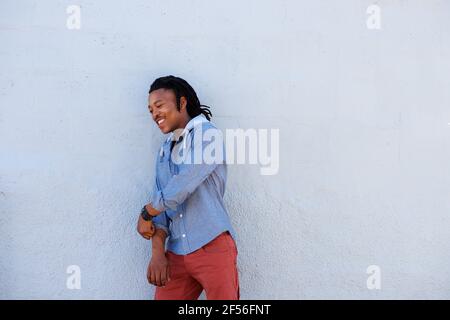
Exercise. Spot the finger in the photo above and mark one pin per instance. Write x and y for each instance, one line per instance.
(146, 230)
(158, 278)
(168, 272)
(149, 276)
(164, 276)
(148, 235)
(152, 277)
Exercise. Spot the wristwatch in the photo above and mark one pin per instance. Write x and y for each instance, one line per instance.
(145, 215)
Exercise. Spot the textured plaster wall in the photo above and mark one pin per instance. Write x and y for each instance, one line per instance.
(364, 142)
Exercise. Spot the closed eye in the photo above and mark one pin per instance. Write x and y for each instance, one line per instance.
(157, 107)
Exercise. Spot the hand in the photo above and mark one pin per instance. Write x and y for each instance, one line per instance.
(145, 228)
(158, 272)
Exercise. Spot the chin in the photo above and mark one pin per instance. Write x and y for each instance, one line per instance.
(164, 130)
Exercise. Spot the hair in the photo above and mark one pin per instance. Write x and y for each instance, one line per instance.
(182, 89)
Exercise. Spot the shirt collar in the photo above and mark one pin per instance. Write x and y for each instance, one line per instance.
(197, 120)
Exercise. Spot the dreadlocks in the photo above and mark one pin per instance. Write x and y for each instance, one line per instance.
(182, 89)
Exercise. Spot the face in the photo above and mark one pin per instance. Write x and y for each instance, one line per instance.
(163, 108)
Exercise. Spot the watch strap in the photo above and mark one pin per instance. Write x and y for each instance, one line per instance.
(145, 215)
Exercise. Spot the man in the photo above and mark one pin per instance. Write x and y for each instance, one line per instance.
(186, 205)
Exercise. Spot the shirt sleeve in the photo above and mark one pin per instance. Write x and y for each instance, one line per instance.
(199, 163)
(160, 221)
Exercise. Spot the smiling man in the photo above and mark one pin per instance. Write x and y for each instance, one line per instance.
(186, 206)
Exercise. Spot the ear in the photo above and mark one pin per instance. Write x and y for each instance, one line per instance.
(183, 103)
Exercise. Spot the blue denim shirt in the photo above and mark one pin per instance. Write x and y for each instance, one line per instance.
(190, 192)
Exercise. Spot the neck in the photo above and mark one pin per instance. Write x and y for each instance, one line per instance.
(177, 132)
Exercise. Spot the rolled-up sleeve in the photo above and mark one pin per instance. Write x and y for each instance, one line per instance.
(191, 174)
(160, 221)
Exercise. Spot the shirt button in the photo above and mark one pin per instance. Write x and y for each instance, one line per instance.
(184, 236)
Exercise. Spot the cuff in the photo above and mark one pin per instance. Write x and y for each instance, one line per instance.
(156, 201)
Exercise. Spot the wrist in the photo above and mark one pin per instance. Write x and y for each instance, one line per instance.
(158, 250)
(145, 214)
(159, 242)
(152, 211)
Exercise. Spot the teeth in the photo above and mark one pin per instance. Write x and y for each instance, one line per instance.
(160, 121)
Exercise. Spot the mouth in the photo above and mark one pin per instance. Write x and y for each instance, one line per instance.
(160, 121)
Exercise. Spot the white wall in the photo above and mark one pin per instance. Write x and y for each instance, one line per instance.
(364, 142)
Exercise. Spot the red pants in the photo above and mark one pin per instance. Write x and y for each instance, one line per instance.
(212, 268)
